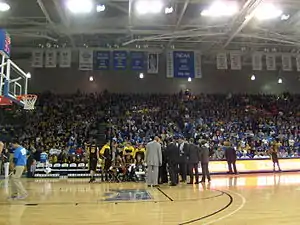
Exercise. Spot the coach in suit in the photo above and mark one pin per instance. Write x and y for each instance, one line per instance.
(230, 156)
(163, 173)
(172, 154)
(204, 155)
(183, 151)
(153, 160)
(193, 158)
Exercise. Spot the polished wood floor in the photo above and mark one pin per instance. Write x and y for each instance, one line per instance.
(244, 200)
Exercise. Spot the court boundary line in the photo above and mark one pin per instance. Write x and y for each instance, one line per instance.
(165, 194)
(231, 213)
(213, 213)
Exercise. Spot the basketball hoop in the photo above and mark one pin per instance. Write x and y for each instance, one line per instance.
(28, 100)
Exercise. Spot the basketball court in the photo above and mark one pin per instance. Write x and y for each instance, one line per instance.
(247, 199)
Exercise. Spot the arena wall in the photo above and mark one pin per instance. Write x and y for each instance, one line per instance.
(213, 81)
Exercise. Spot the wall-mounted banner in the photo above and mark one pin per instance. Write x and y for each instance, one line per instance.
(198, 65)
(184, 64)
(65, 58)
(257, 61)
(37, 58)
(235, 61)
(298, 62)
(271, 61)
(137, 60)
(286, 60)
(120, 60)
(222, 61)
(101, 60)
(50, 58)
(152, 63)
(169, 64)
(86, 59)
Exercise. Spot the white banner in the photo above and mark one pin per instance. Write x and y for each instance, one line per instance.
(222, 61)
(198, 65)
(86, 59)
(271, 61)
(298, 62)
(235, 61)
(170, 62)
(65, 58)
(286, 60)
(37, 58)
(152, 63)
(50, 58)
(257, 61)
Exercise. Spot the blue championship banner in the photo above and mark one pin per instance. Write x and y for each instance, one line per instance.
(101, 60)
(5, 42)
(137, 60)
(184, 64)
(120, 60)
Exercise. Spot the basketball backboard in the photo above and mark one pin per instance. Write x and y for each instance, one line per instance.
(13, 80)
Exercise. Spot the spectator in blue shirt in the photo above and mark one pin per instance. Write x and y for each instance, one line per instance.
(19, 164)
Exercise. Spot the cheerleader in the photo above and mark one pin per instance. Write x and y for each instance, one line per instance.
(274, 156)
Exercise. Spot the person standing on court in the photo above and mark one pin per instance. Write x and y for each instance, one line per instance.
(163, 173)
(93, 159)
(204, 156)
(154, 161)
(183, 150)
(193, 157)
(230, 156)
(172, 154)
(19, 164)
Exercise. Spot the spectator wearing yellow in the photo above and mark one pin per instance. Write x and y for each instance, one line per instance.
(106, 146)
(128, 150)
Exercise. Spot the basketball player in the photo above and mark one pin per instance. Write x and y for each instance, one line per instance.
(19, 164)
(273, 152)
(93, 159)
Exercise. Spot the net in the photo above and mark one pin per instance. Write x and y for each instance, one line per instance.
(29, 101)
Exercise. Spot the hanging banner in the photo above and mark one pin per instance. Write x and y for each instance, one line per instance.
(50, 58)
(184, 64)
(137, 60)
(153, 60)
(257, 61)
(298, 62)
(222, 61)
(169, 64)
(198, 65)
(5, 43)
(286, 60)
(235, 61)
(120, 60)
(101, 60)
(37, 58)
(65, 58)
(86, 59)
(271, 61)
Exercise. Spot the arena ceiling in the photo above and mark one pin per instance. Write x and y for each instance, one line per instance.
(45, 23)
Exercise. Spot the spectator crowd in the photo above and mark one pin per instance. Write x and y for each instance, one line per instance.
(61, 125)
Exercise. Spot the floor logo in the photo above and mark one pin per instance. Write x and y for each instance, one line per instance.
(127, 195)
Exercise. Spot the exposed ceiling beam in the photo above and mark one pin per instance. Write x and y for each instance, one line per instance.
(65, 22)
(245, 16)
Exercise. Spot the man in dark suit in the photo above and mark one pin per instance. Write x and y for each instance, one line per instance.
(204, 153)
(183, 150)
(172, 154)
(230, 156)
(163, 174)
(193, 157)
